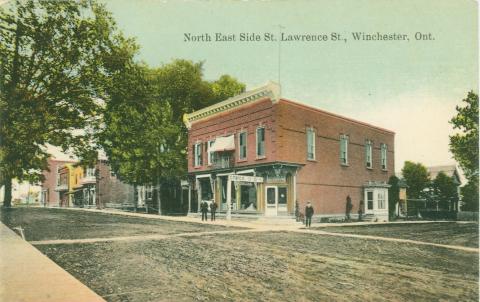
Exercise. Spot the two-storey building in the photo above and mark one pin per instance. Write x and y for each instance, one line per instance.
(263, 154)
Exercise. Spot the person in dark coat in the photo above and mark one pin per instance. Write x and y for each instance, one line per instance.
(204, 209)
(348, 208)
(213, 209)
(308, 214)
(360, 210)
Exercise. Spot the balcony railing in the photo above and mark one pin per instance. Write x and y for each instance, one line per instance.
(223, 162)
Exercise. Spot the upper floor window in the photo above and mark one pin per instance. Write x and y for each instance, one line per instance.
(210, 152)
(242, 145)
(90, 172)
(383, 152)
(310, 143)
(261, 142)
(368, 154)
(197, 154)
(344, 149)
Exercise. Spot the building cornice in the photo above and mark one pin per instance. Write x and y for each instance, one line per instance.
(270, 90)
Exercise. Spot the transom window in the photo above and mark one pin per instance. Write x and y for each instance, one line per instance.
(261, 142)
(368, 154)
(197, 154)
(344, 149)
(383, 152)
(310, 143)
(242, 143)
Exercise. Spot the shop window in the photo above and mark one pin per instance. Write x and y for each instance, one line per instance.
(381, 200)
(370, 200)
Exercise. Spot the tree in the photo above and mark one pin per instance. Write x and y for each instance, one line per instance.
(464, 145)
(144, 136)
(56, 58)
(470, 196)
(445, 190)
(393, 194)
(416, 177)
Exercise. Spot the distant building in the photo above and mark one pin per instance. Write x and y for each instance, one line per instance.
(262, 154)
(69, 184)
(450, 171)
(49, 195)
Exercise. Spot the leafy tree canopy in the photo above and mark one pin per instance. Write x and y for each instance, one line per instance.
(445, 190)
(56, 59)
(464, 145)
(470, 196)
(144, 136)
(416, 177)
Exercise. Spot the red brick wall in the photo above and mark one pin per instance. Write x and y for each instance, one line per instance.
(325, 181)
(247, 117)
(50, 181)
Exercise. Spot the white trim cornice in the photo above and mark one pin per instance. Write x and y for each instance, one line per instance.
(271, 90)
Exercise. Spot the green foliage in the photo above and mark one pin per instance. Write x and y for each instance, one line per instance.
(416, 176)
(393, 194)
(144, 136)
(470, 196)
(464, 146)
(57, 58)
(445, 190)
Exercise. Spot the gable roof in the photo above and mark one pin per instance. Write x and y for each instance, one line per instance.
(449, 170)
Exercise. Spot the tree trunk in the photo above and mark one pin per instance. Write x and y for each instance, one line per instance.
(7, 198)
(159, 199)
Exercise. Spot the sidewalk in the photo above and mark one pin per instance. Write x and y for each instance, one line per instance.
(26, 275)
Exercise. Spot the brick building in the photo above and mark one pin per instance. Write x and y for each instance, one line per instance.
(49, 195)
(260, 153)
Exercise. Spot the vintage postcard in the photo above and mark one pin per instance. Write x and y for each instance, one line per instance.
(275, 150)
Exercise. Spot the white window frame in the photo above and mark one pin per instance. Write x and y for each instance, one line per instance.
(240, 146)
(381, 200)
(369, 154)
(344, 138)
(383, 156)
(264, 142)
(197, 155)
(209, 152)
(311, 131)
(90, 172)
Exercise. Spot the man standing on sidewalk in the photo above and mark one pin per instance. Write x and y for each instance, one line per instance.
(308, 214)
(204, 209)
(213, 209)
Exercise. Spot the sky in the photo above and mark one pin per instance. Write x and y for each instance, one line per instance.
(408, 86)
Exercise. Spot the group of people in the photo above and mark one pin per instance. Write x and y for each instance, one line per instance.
(204, 209)
(309, 211)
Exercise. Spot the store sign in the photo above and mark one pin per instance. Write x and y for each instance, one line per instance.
(245, 178)
(276, 179)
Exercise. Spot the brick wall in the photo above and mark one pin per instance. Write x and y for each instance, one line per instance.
(247, 117)
(50, 181)
(325, 181)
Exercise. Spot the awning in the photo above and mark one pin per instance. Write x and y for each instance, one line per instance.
(223, 143)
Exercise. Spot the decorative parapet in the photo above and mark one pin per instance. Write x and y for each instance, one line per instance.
(271, 90)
